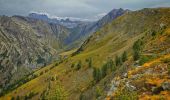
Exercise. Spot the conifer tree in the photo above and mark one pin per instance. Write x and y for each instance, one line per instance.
(124, 56)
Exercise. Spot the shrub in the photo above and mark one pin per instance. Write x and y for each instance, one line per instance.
(41, 73)
(29, 96)
(98, 92)
(79, 64)
(124, 56)
(52, 79)
(126, 94)
(72, 65)
(167, 60)
(60, 94)
(56, 64)
(153, 33)
(13, 98)
(143, 60)
(81, 96)
(46, 70)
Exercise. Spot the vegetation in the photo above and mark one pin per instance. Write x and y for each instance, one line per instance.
(118, 61)
(167, 60)
(137, 49)
(90, 62)
(60, 94)
(100, 53)
(108, 67)
(79, 64)
(40, 60)
(30, 95)
(18, 83)
(96, 74)
(72, 65)
(98, 92)
(41, 73)
(124, 56)
(153, 33)
(81, 96)
(126, 94)
(143, 59)
(168, 69)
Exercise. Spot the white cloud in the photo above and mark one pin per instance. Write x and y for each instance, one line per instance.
(83, 9)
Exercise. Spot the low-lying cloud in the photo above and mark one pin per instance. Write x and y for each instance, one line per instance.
(84, 9)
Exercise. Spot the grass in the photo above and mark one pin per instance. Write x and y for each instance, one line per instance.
(104, 45)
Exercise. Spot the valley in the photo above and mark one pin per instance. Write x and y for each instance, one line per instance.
(125, 57)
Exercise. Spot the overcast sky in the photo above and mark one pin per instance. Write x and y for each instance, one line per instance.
(86, 9)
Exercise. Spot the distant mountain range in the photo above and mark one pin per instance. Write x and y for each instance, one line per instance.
(65, 22)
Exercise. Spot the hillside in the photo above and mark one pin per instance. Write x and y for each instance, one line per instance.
(25, 45)
(149, 79)
(84, 30)
(50, 33)
(87, 73)
(49, 38)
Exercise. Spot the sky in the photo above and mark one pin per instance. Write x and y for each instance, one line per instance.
(81, 9)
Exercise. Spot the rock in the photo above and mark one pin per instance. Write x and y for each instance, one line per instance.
(166, 86)
(130, 87)
(125, 75)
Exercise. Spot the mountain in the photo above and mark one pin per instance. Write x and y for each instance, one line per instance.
(52, 33)
(64, 22)
(27, 44)
(128, 58)
(149, 30)
(39, 16)
(84, 30)
(79, 30)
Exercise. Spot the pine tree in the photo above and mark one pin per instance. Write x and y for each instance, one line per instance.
(136, 49)
(136, 55)
(96, 74)
(90, 62)
(118, 61)
(98, 77)
(104, 70)
(124, 56)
